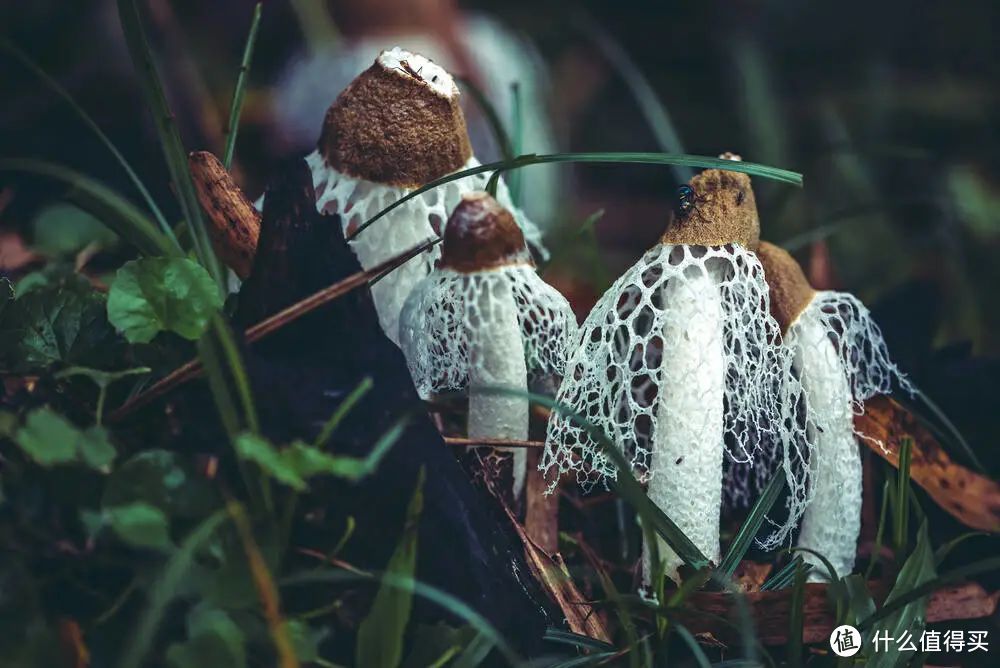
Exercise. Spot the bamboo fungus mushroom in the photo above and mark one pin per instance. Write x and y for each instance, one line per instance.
(396, 127)
(483, 319)
(679, 363)
(842, 360)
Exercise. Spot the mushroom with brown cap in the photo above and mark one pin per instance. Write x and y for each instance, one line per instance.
(483, 319)
(396, 127)
(841, 360)
(679, 363)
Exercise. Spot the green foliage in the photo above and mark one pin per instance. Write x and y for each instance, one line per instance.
(63, 229)
(213, 641)
(163, 480)
(152, 295)
(50, 439)
(140, 525)
(56, 324)
(380, 636)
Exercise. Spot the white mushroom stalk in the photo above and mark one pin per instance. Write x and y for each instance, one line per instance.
(396, 127)
(680, 364)
(841, 360)
(484, 320)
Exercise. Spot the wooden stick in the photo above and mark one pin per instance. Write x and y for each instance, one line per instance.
(491, 442)
(193, 368)
(770, 610)
(235, 223)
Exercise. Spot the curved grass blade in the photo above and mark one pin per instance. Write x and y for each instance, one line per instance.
(696, 651)
(650, 105)
(446, 601)
(880, 533)
(492, 117)
(517, 139)
(599, 659)
(942, 552)
(241, 86)
(92, 125)
(951, 430)
(783, 577)
(162, 592)
(170, 139)
(750, 168)
(744, 537)
(795, 616)
(114, 210)
(576, 640)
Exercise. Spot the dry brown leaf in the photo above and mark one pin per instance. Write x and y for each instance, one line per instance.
(971, 498)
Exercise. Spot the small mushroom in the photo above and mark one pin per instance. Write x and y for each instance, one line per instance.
(483, 319)
(396, 127)
(680, 365)
(842, 360)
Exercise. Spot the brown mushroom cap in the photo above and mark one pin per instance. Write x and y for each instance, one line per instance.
(724, 212)
(788, 285)
(481, 234)
(393, 126)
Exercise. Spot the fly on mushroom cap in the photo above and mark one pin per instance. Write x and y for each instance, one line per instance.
(680, 365)
(718, 207)
(482, 320)
(397, 123)
(841, 360)
(481, 234)
(396, 127)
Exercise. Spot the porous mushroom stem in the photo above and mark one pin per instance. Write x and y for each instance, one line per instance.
(686, 461)
(832, 521)
(497, 361)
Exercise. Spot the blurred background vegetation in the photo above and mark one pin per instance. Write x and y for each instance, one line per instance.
(889, 109)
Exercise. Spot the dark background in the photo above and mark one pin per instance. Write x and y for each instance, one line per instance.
(889, 109)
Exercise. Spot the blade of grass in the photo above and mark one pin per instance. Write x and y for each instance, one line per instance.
(92, 125)
(267, 590)
(576, 640)
(750, 168)
(460, 609)
(744, 537)
(241, 86)
(697, 653)
(650, 105)
(517, 139)
(988, 565)
(942, 552)
(342, 410)
(880, 534)
(951, 430)
(901, 518)
(795, 616)
(115, 211)
(164, 589)
(492, 117)
(784, 576)
(170, 139)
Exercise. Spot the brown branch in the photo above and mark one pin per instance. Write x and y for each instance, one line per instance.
(235, 223)
(770, 610)
(971, 498)
(491, 442)
(193, 368)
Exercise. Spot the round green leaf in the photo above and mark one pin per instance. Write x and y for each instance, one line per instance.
(157, 294)
(141, 525)
(48, 438)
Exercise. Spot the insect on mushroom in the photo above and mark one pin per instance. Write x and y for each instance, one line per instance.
(679, 364)
(483, 320)
(396, 127)
(842, 360)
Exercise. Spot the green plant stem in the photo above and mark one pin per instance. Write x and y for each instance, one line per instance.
(170, 140)
(751, 168)
(241, 86)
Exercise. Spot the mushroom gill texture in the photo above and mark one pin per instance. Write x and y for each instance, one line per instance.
(680, 365)
(398, 123)
(841, 360)
(484, 320)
